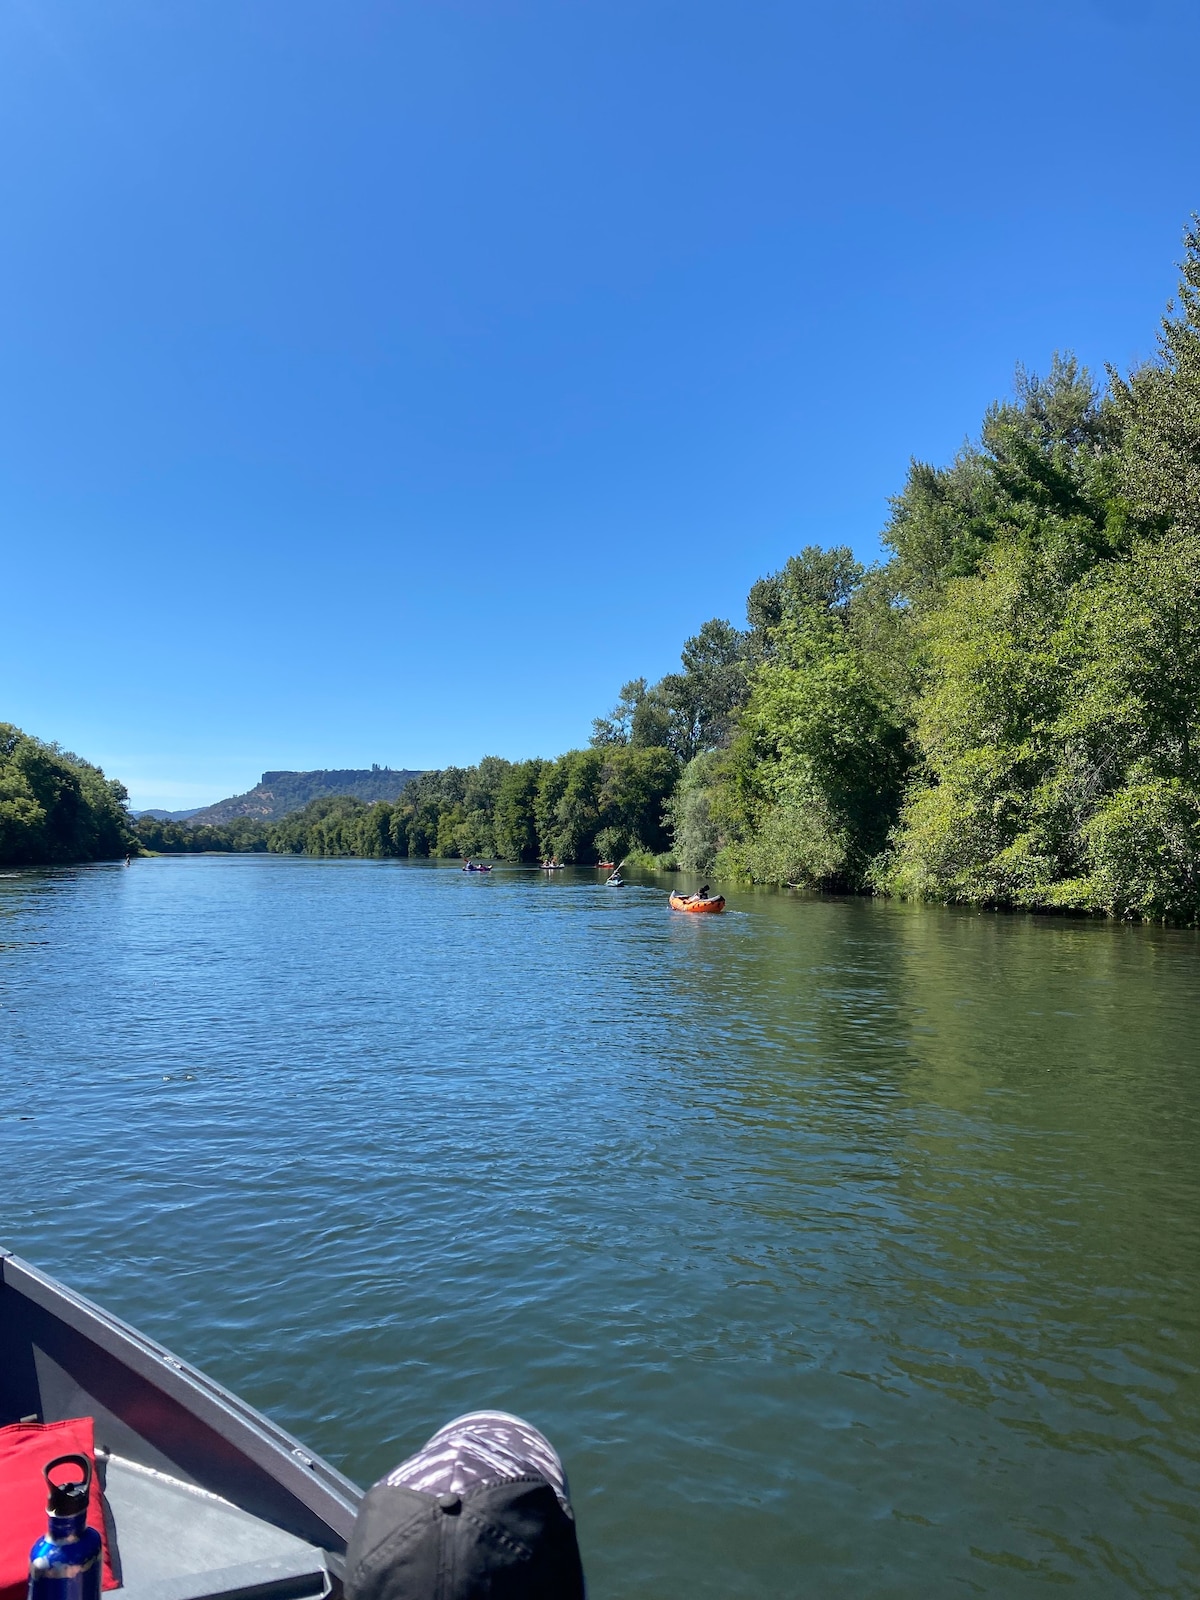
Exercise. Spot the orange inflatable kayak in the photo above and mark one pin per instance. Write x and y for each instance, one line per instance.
(687, 902)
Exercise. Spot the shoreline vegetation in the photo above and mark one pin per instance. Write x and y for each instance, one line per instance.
(1002, 713)
(55, 807)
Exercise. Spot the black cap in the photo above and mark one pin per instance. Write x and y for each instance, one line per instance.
(481, 1511)
(68, 1499)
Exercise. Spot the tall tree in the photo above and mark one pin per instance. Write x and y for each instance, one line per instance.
(515, 820)
(617, 726)
(817, 582)
(1159, 407)
(820, 763)
(55, 807)
(1043, 473)
(702, 701)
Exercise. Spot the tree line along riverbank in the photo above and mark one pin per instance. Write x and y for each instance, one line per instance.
(1001, 713)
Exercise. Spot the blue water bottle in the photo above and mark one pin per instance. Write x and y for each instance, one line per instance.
(65, 1563)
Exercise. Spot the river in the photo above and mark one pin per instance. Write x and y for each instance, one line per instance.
(845, 1248)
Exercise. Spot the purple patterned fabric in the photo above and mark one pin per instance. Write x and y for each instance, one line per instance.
(482, 1447)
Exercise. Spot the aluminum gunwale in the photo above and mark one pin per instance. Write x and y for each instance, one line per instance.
(318, 1486)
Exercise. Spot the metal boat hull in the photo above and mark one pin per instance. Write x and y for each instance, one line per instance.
(207, 1497)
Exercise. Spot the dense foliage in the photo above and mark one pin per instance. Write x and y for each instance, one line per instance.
(176, 838)
(586, 805)
(55, 807)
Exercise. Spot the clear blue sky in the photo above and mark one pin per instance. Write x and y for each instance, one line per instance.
(389, 382)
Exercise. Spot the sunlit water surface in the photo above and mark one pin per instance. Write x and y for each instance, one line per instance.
(845, 1249)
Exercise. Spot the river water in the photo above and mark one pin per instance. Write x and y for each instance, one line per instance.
(844, 1248)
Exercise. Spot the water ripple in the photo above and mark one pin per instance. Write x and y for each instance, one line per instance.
(845, 1248)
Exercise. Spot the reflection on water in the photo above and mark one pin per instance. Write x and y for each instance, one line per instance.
(844, 1248)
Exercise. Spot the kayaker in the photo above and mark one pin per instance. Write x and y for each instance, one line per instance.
(482, 1508)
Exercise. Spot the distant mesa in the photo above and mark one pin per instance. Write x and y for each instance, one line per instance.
(277, 793)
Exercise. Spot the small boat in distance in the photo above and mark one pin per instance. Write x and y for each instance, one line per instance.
(475, 866)
(552, 866)
(606, 866)
(697, 902)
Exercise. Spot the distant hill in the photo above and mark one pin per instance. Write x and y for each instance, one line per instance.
(277, 793)
(166, 816)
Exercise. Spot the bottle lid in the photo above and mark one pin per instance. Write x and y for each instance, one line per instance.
(70, 1498)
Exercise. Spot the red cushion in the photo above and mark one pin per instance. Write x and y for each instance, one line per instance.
(25, 1448)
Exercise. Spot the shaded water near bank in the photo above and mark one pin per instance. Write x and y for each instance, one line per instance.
(845, 1248)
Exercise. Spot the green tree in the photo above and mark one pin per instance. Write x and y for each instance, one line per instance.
(514, 820)
(398, 830)
(617, 726)
(1159, 409)
(984, 728)
(1126, 786)
(1143, 854)
(55, 807)
(164, 837)
(569, 805)
(1043, 474)
(703, 700)
(449, 824)
(327, 826)
(641, 717)
(820, 763)
(686, 711)
(634, 787)
(609, 798)
(697, 812)
(817, 582)
(373, 835)
(940, 525)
